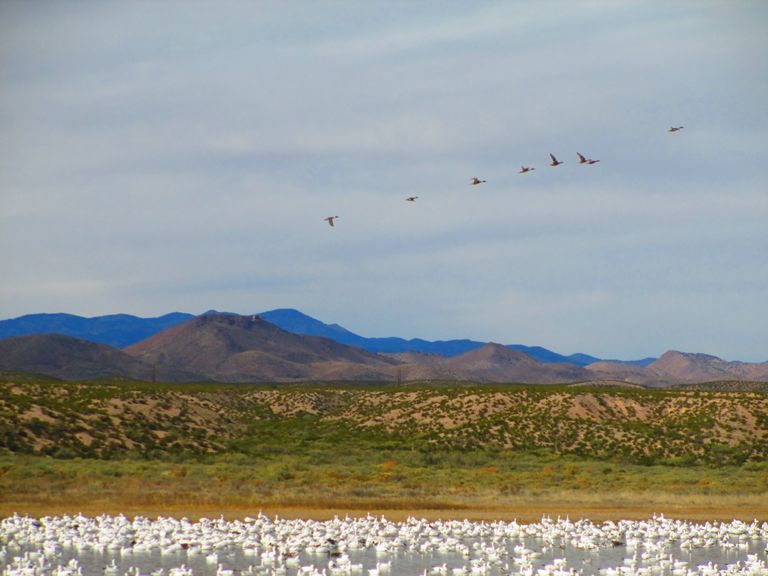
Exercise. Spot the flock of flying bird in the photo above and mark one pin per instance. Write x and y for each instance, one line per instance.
(523, 169)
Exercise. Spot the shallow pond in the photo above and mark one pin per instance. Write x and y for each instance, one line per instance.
(116, 546)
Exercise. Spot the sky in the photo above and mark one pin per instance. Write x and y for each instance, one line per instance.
(182, 156)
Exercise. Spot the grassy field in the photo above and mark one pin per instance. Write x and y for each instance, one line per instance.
(460, 451)
(452, 482)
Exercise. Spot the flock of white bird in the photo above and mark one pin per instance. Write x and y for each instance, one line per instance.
(554, 162)
(374, 546)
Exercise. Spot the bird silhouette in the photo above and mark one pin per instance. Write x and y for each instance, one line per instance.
(675, 128)
(583, 160)
(524, 169)
(411, 199)
(476, 181)
(555, 161)
(330, 219)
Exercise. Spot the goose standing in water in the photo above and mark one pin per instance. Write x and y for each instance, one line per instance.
(274, 546)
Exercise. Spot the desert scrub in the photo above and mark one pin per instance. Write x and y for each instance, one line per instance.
(123, 419)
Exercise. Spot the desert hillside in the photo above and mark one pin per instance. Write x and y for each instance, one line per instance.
(116, 419)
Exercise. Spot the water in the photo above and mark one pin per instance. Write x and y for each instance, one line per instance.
(116, 546)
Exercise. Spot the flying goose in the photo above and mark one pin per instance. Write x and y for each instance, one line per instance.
(411, 199)
(330, 219)
(583, 160)
(675, 128)
(555, 161)
(476, 181)
(524, 169)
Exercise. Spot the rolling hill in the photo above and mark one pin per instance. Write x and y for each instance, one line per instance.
(77, 359)
(639, 425)
(688, 367)
(682, 367)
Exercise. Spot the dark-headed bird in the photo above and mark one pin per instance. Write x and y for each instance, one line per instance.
(330, 219)
(583, 160)
(476, 181)
(555, 161)
(411, 199)
(524, 169)
(675, 128)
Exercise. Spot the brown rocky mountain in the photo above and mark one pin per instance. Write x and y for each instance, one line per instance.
(75, 359)
(619, 371)
(680, 367)
(497, 363)
(425, 366)
(686, 367)
(490, 363)
(231, 348)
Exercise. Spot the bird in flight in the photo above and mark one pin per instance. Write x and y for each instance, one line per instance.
(330, 219)
(583, 160)
(524, 169)
(411, 199)
(555, 161)
(476, 181)
(675, 128)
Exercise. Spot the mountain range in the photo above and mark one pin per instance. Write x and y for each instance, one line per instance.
(116, 330)
(217, 347)
(123, 330)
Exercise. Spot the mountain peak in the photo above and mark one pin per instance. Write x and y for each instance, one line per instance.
(496, 351)
(689, 355)
(697, 367)
(673, 359)
(297, 322)
(234, 348)
(493, 355)
(494, 362)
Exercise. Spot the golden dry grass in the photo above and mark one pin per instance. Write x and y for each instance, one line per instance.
(523, 510)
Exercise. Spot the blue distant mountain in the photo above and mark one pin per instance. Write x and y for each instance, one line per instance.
(299, 323)
(116, 330)
(122, 330)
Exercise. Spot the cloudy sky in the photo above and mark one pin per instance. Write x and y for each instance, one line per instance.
(182, 156)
